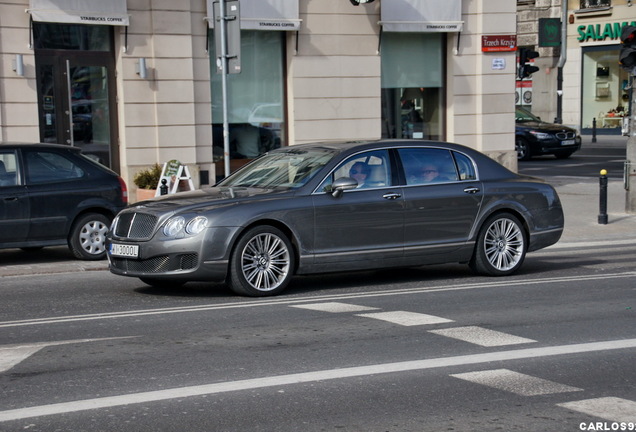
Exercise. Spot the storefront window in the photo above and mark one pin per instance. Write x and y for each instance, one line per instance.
(72, 37)
(605, 92)
(255, 99)
(412, 85)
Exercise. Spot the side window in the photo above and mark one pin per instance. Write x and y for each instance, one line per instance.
(465, 167)
(8, 169)
(427, 165)
(43, 167)
(371, 170)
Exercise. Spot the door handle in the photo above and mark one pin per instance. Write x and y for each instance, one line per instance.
(471, 190)
(391, 195)
(11, 198)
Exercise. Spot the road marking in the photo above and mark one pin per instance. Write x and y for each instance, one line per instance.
(509, 283)
(332, 374)
(608, 408)
(515, 382)
(11, 355)
(334, 307)
(404, 318)
(481, 336)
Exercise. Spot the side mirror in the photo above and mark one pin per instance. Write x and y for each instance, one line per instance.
(342, 184)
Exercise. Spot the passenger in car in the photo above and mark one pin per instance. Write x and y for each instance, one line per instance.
(359, 171)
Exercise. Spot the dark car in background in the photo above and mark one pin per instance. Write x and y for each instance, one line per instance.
(53, 195)
(330, 207)
(535, 137)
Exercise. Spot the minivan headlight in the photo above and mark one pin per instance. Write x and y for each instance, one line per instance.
(173, 226)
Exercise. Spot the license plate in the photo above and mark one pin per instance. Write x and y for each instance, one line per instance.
(123, 250)
(568, 142)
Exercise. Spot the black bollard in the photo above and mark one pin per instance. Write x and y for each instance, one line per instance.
(594, 130)
(602, 215)
(163, 189)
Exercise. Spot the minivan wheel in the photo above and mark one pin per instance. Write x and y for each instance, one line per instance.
(262, 262)
(87, 236)
(501, 246)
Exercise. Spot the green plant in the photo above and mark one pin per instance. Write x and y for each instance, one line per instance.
(148, 178)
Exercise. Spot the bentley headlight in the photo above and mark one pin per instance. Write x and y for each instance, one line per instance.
(196, 225)
(174, 226)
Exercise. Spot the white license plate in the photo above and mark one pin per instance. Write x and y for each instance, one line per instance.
(123, 250)
(568, 142)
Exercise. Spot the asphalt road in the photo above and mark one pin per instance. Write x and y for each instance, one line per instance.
(426, 349)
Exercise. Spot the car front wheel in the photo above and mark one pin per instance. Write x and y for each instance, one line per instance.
(87, 237)
(261, 263)
(501, 246)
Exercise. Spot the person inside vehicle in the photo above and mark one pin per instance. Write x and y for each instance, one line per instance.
(359, 171)
(430, 174)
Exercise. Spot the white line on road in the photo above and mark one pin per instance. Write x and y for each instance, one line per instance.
(515, 382)
(507, 282)
(608, 408)
(332, 374)
(406, 319)
(481, 336)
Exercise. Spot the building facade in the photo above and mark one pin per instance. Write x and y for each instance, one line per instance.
(134, 82)
(595, 87)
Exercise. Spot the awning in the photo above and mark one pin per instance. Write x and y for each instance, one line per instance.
(264, 15)
(421, 16)
(104, 12)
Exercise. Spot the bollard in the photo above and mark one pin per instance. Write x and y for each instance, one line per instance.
(602, 215)
(594, 130)
(163, 189)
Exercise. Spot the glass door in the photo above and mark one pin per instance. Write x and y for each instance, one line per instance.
(76, 103)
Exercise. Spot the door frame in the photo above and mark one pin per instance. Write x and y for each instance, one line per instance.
(61, 61)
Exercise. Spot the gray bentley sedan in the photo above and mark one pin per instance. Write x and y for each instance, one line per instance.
(330, 207)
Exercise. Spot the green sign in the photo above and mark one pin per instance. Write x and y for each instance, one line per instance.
(549, 32)
(600, 32)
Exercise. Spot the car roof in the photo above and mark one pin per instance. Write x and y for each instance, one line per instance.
(32, 145)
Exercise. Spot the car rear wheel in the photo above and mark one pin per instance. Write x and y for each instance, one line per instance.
(261, 263)
(87, 237)
(501, 246)
(523, 149)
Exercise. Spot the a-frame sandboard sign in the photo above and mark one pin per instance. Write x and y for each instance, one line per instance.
(173, 173)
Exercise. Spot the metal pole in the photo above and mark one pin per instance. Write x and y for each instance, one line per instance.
(226, 126)
(562, 60)
(630, 153)
(602, 204)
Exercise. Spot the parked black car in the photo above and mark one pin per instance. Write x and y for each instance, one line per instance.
(328, 207)
(53, 195)
(534, 137)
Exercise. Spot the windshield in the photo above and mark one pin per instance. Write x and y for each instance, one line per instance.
(290, 169)
(522, 115)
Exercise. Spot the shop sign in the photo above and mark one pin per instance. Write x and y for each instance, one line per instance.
(601, 32)
(498, 43)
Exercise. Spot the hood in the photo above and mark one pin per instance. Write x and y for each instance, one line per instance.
(205, 198)
(544, 127)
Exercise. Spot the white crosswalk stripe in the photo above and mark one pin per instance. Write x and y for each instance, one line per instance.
(481, 336)
(334, 307)
(609, 408)
(515, 382)
(406, 318)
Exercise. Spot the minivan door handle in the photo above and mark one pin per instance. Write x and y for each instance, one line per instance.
(471, 190)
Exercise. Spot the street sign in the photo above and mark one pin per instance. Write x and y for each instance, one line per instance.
(232, 36)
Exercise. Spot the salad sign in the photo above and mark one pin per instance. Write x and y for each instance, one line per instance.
(175, 175)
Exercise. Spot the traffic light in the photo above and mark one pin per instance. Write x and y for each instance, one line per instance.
(525, 70)
(627, 56)
(359, 2)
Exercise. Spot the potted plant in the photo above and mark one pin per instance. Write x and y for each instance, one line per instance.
(146, 182)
